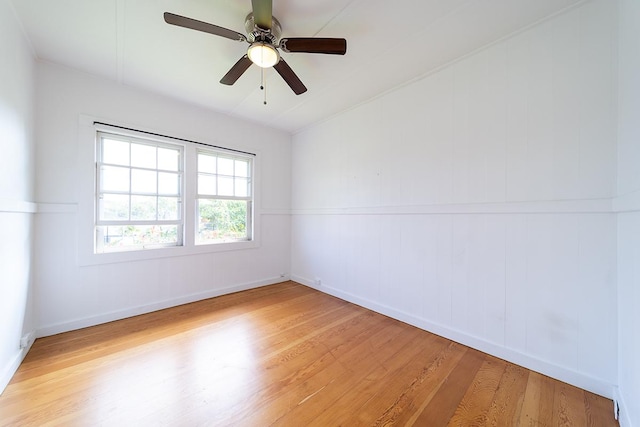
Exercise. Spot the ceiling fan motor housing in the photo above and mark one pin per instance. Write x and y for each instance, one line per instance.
(255, 33)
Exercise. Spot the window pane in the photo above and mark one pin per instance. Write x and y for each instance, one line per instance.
(168, 183)
(206, 163)
(143, 181)
(168, 208)
(115, 152)
(225, 186)
(225, 166)
(143, 156)
(143, 208)
(133, 236)
(139, 180)
(207, 185)
(242, 168)
(112, 235)
(168, 159)
(242, 189)
(113, 207)
(114, 179)
(221, 220)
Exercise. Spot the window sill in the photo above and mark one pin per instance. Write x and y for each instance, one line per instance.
(158, 253)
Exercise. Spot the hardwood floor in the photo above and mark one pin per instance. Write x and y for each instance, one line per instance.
(281, 355)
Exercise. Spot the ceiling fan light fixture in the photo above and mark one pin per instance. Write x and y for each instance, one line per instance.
(263, 54)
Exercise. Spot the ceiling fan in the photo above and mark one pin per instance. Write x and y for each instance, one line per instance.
(263, 36)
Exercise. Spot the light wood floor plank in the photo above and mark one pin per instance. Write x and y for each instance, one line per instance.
(410, 398)
(474, 406)
(324, 387)
(282, 355)
(537, 408)
(507, 402)
(445, 403)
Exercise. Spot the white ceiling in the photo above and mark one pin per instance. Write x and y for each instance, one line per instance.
(388, 43)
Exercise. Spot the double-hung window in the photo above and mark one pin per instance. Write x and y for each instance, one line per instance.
(155, 191)
(224, 186)
(139, 194)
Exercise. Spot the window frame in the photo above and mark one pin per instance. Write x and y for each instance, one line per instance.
(86, 214)
(99, 223)
(202, 196)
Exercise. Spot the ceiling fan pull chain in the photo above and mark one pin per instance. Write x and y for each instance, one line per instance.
(263, 85)
(261, 78)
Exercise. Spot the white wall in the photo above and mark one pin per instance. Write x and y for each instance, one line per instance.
(71, 295)
(476, 202)
(628, 203)
(16, 191)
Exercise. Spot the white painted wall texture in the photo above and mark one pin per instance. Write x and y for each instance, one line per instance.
(71, 295)
(16, 191)
(628, 202)
(487, 202)
(476, 202)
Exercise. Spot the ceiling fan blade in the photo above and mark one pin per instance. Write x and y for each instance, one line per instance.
(262, 13)
(314, 45)
(183, 21)
(290, 77)
(236, 71)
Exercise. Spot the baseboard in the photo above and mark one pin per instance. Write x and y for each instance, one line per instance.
(569, 376)
(623, 414)
(9, 371)
(148, 308)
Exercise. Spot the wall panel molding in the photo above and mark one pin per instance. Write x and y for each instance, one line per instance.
(629, 202)
(599, 206)
(57, 208)
(18, 206)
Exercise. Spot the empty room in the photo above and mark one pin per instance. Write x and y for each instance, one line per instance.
(347, 212)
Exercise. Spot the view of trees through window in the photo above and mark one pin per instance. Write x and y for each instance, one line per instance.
(224, 197)
(139, 235)
(222, 220)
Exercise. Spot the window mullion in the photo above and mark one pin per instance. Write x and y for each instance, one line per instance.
(130, 180)
(217, 191)
(189, 182)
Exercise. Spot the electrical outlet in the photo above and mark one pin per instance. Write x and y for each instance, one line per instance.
(616, 410)
(26, 340)
(318, 281)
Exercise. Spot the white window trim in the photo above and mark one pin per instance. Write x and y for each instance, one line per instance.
(86, 256)
(249, 199)
(181, 172)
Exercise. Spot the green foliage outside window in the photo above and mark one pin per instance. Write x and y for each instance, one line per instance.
(139, 235)
(222, 219)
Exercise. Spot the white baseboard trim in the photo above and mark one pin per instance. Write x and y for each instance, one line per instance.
(594, 385)
(58, 328)
(9, 371)
(623, 414)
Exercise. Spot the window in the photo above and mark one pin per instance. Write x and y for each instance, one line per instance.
(223, 197)
(155, 192)
(139, 194)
